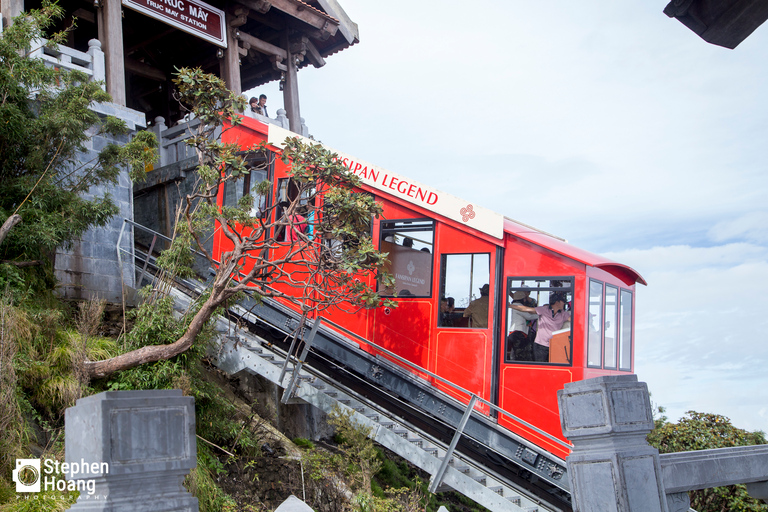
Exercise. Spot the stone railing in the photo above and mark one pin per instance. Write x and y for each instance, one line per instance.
(281, 120)
(172, 141)
(91, 63)
(613, 468)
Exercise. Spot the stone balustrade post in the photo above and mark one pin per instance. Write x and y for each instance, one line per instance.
(304, 129)
(143, 444)
(282, 119)
(612, 468)
(158, 128)
(98, 65)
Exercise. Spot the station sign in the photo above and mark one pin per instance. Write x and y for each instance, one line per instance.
(192, 16)
(396, 185)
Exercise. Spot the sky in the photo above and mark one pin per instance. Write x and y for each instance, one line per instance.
(608, 124)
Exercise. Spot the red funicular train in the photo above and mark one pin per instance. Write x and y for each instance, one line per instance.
(478, 263)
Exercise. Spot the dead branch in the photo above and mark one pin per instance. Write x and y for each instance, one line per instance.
(8, 225)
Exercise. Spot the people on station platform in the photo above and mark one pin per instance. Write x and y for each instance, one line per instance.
(254, 104)
(477, 311)
(263, 104)
(552, 317)
(259, 105)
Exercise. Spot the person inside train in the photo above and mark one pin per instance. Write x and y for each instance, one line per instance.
(295, 225)
(447, 314)
(519, 343)
(552, 317)
(477, 311)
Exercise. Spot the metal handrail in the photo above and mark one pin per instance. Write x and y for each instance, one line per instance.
(395, 356)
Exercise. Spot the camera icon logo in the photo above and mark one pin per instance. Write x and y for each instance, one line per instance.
(27, 475)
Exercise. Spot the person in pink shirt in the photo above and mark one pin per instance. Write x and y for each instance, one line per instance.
(298, 224)
(552, 317)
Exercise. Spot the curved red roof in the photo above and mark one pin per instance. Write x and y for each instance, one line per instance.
(623, 272)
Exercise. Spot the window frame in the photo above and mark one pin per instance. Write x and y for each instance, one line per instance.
(508, 288)
(441, 287)
(631, 295)
(615, 323)
(600, 328)
(246, 181)
(418, 225)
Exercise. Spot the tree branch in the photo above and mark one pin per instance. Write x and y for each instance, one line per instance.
(22, 264)
(9, 223)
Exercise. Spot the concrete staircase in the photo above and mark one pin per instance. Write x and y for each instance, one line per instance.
(242, 351)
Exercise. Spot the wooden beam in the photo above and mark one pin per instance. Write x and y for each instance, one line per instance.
(231, 61)
(261, 73)
(113, 50)
(261, 6)
(268, 21)
(277, 63)
(291, 90)
(143, 69)
(309, 16)
(238, 21)
(347, 27)
(261, 46)
(150, 39)
(84, 15)
(313, 55)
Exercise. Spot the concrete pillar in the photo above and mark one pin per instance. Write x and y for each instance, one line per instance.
(146, 439)
(10, 9)
(612, 468)
(111, 35)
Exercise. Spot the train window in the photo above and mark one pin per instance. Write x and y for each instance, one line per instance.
(625, 331)
(410, 245)
(537, 331)
(330, 214)
(611, 326)
(287, 191)
(249, 185)
(595, 324)
(464, 287)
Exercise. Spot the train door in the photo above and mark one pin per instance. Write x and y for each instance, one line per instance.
(537, 355)
(463, 341)
(405, 330)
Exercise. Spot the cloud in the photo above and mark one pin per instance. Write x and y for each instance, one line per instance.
(701, 329)
(752, 226)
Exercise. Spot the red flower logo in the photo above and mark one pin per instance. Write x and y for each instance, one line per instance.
(467, 213)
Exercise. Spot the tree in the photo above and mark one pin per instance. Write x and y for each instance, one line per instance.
(314, 250)
(45, 122)
(702, 431)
